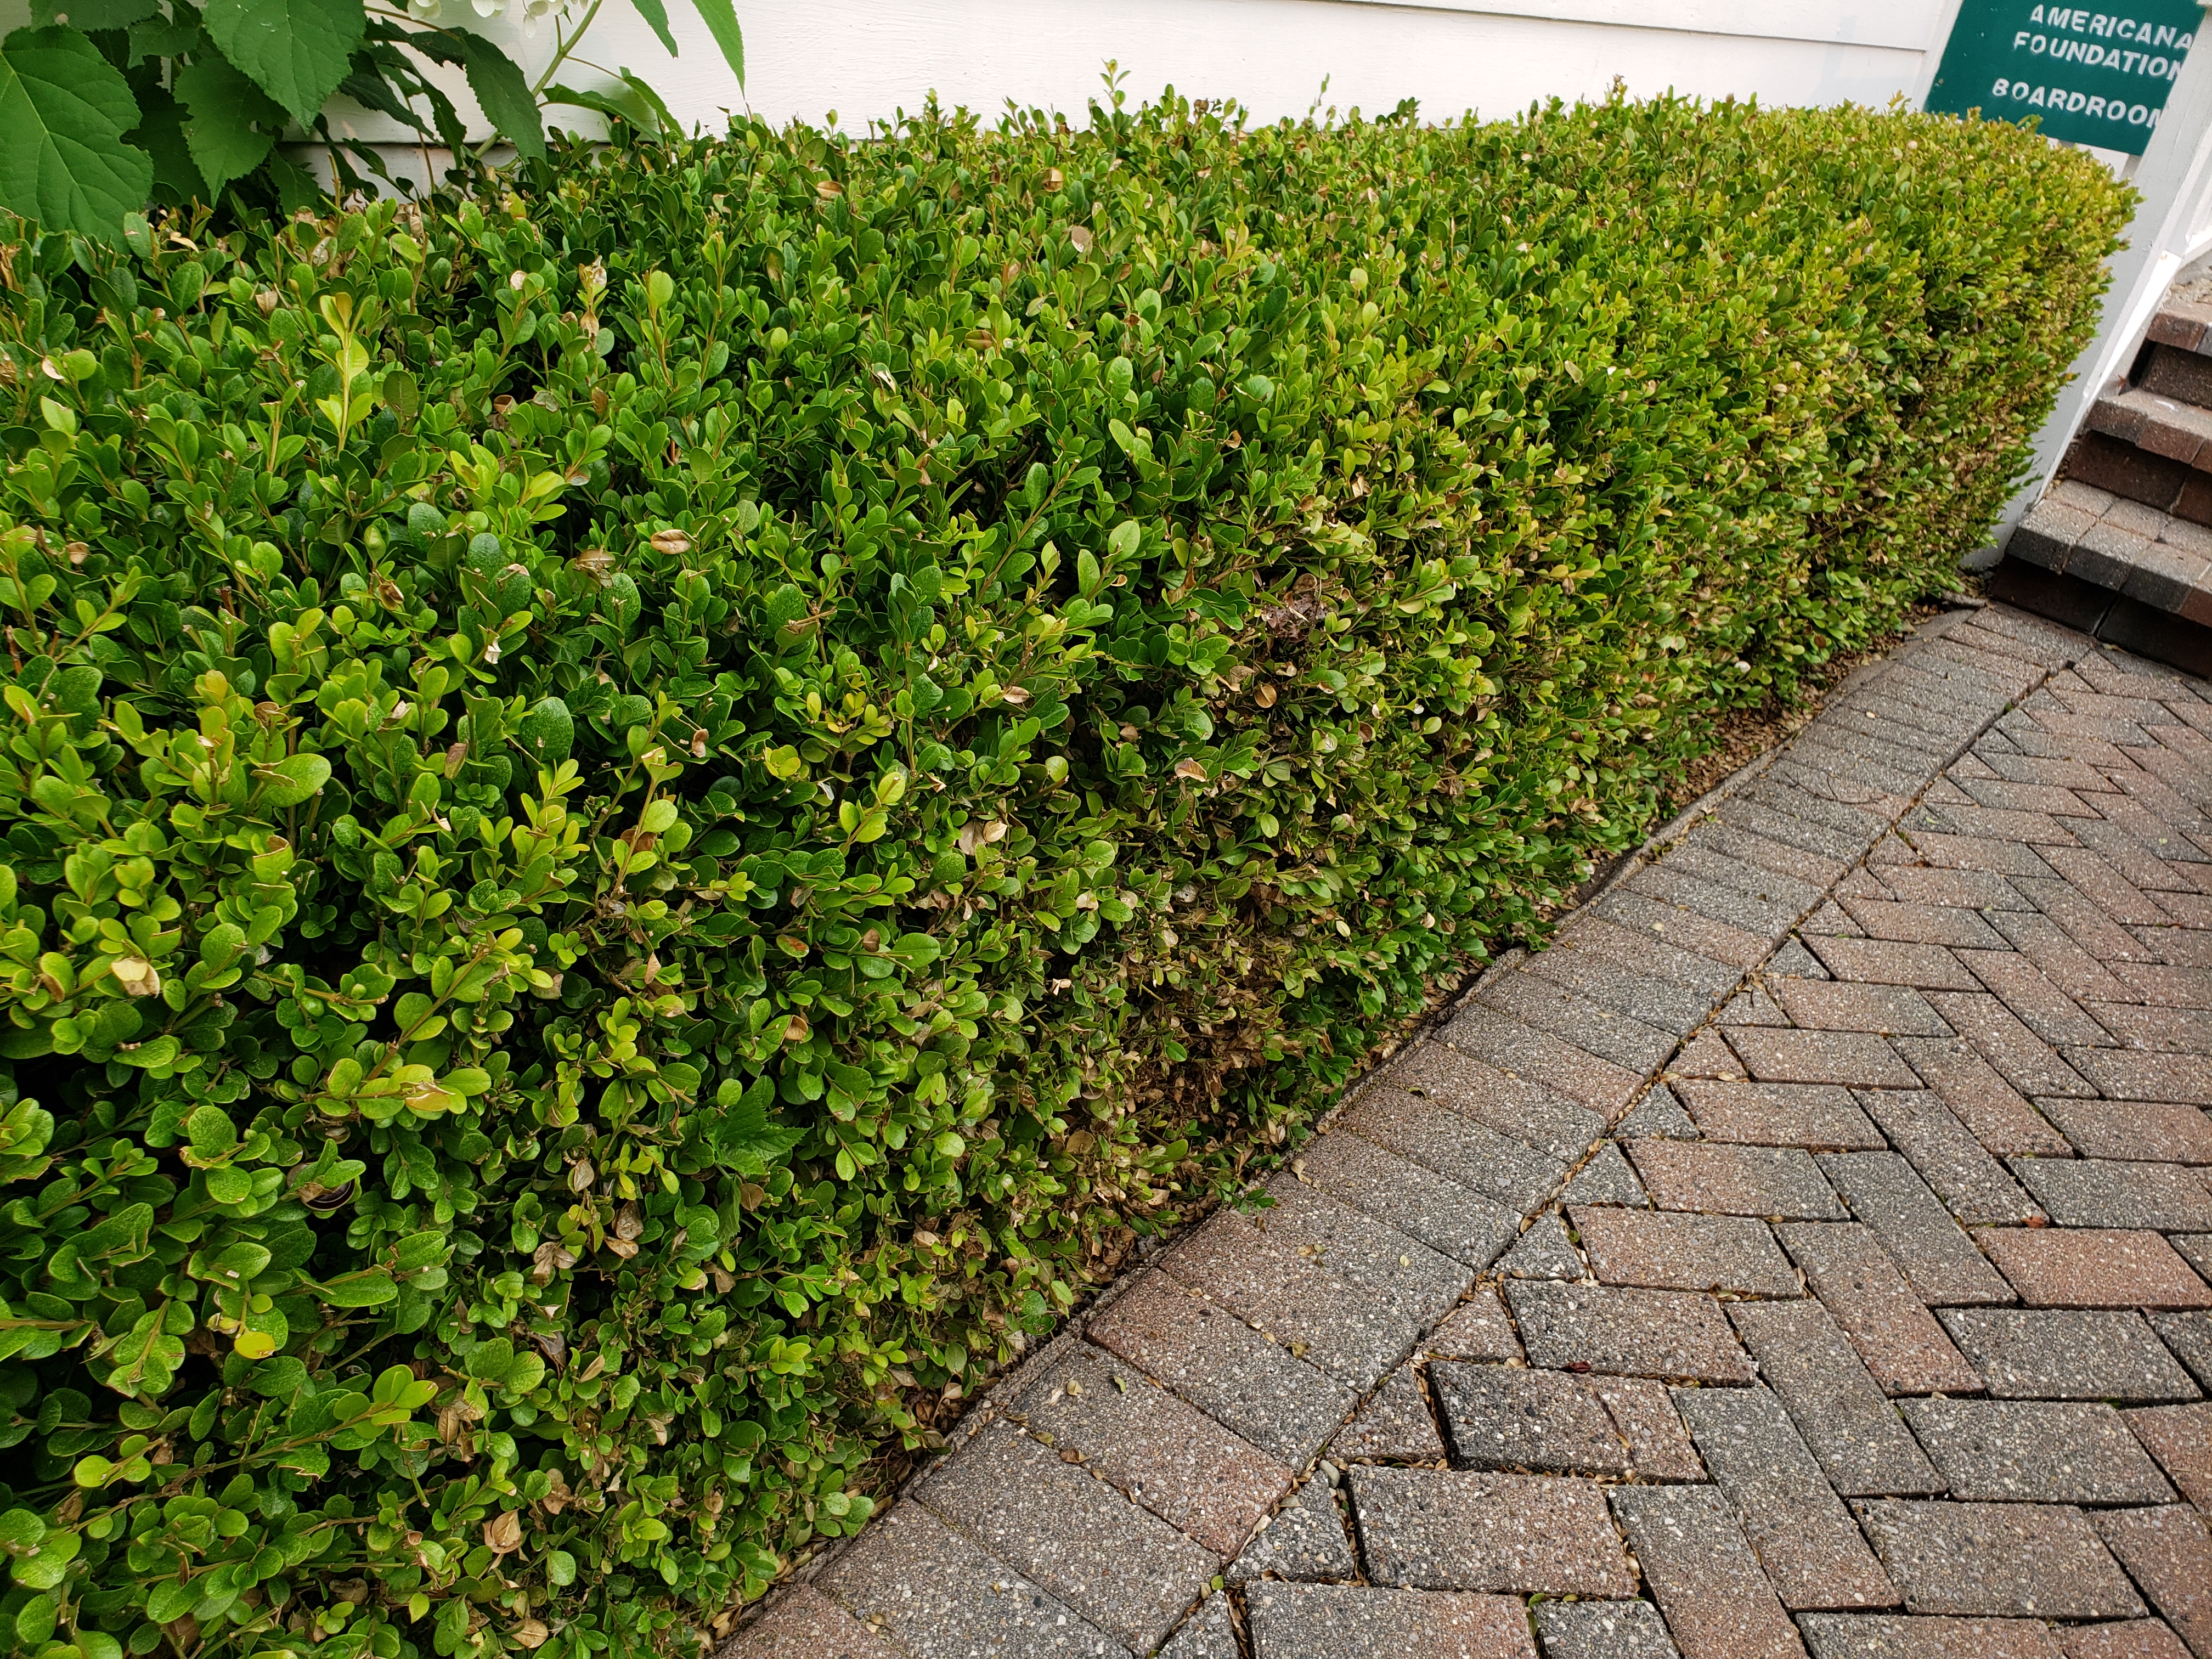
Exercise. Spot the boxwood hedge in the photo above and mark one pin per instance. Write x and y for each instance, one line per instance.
(646, 821)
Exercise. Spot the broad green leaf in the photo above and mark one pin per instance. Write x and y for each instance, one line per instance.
(744, 1137)
(90, 15)
(293, 779)
(233, 121)
(64, 113)
(164, 37)
(502, 91)
(604, 104)
(295, 51)
(656, 16)
(160, 133)
(722, 20)
(648, 99)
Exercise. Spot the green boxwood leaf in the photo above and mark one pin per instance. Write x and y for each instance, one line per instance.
(548, 732)
(233, 121)
(295, 51)
(46, 1569)
(64, 113)
(371, 1288)
(293, 779)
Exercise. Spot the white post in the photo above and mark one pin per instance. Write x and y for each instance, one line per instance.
(2166, 235)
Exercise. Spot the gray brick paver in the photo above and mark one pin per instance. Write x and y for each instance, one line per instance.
(1392, 1268)
(2038, 1451)
(1522, 1050)
(1607, 1178)
(1670, 1251)
(1659, 1447)
(1905, 1349)
(1458, 1148)
(1209, 1633)
(2039, 1005)
(1394, 1425)
(1936, 1256)
(2001, 1560)
(1973, 1186)
(1543, 1251)
(1888, 962)
(1817, 1116)
(1875, 1636)
(2189, 1336)
(1477, 1329)
(1803, 1535)
(1655, 1001)
(2085, 1192)
(1782, 1182)
(1593, 1027)
(1305, 1539)
(1471, 1530)
(1704, 1574)
(1521, 1107)
(1160, 1450)
(2133, 1075)
(2034, 1354)
(937, 1594)
(1853, 1057)
(1253, 1387)
(1669, 1334)
(1351, 1621)
(2021, 1058)
(1603, 1630)
(1272, 1281)
(1995, 1113)
(1505, 1418)
(2062, 962)
(1835, 1402)
(1443, 1214)
(1123, 1567)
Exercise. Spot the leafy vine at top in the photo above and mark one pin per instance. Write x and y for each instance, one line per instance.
(107, 106)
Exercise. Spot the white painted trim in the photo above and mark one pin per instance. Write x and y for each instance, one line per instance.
(2169, 229)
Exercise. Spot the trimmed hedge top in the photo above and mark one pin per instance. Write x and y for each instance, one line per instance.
(646, 821)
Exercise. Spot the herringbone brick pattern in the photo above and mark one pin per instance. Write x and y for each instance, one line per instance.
(1808, 1254)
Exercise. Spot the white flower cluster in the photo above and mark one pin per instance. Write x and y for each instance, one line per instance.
(532, 12)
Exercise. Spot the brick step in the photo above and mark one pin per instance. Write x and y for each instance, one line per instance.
(2184, 325)
(2163, 560)
(2156, 424)
(2170, 372)
(2136, 475)
(2152, 442)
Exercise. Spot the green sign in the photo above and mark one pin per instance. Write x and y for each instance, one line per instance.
(2093, 78)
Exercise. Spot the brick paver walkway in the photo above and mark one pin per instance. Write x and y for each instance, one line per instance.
(1863, 1310)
